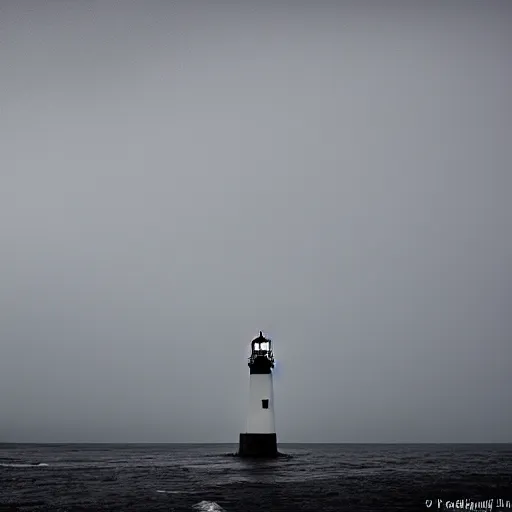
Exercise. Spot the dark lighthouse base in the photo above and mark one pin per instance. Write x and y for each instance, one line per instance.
(258, 445)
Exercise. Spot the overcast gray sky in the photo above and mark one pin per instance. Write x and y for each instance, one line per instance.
(176, 176)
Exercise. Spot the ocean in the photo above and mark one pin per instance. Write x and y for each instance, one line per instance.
(210, 478)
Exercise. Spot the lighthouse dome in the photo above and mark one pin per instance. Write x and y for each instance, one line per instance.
(261, 344)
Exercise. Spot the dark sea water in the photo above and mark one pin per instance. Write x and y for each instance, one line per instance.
(342, 477)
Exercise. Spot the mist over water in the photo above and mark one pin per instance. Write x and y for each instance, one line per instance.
(176, 176)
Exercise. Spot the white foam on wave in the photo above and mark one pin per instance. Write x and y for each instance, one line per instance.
(169, 492)
(208, 506)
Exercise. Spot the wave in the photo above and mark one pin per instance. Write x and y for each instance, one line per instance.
(23, 465)
(208, 506)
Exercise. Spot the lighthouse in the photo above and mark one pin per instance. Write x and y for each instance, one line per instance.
(259, 439)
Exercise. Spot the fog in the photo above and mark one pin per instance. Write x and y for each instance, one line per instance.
(176, 176)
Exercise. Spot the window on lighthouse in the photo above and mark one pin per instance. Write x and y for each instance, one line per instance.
(264, 403)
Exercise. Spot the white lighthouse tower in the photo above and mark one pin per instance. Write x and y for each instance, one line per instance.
(259, 439)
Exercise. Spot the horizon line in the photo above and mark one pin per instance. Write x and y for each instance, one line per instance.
(202, 443)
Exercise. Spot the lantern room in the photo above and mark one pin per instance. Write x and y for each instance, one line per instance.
(261, 347)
